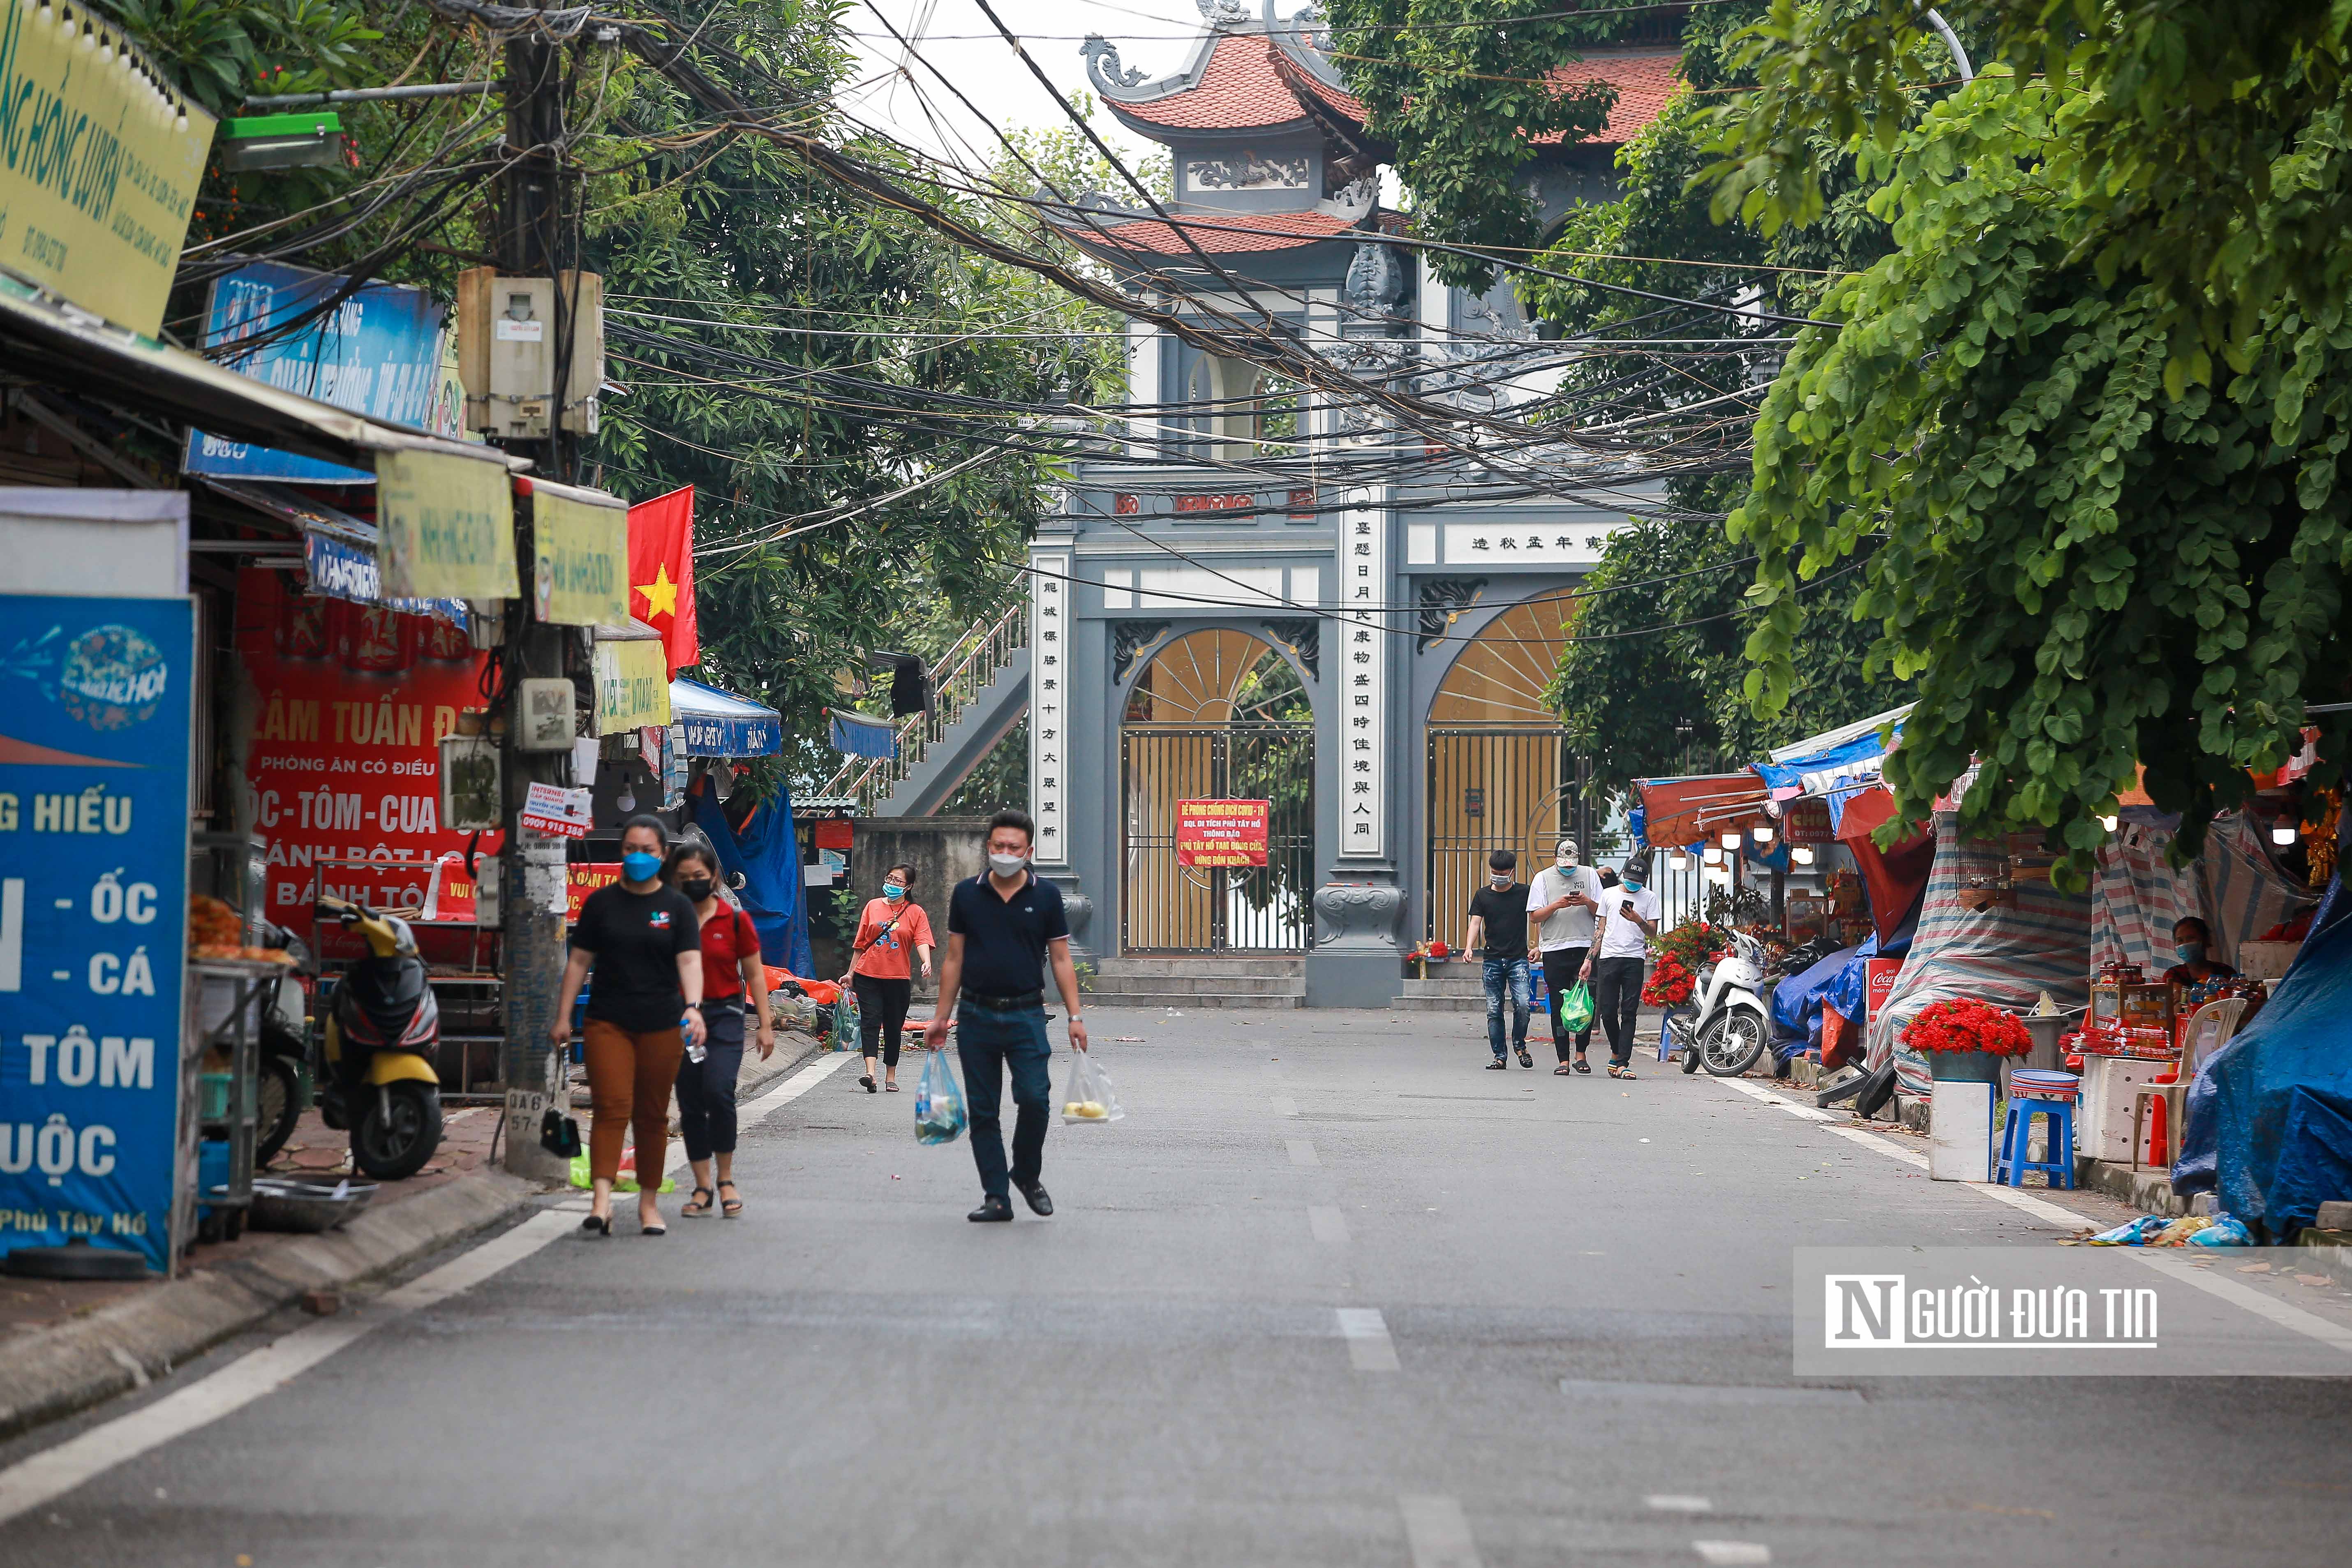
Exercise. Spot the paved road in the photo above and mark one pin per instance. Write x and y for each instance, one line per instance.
(1312, 1303)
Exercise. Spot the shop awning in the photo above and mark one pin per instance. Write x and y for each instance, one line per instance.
(1684, 810)
(862, 735)
(339, 550)
(1835, 762)
(717, 723)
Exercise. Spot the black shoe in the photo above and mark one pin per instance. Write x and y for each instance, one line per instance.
(1498, 1065)
(1526, 1060)
(992, 1209)
(1039, 1203)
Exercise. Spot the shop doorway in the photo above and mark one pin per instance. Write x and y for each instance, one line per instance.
(1216, 715)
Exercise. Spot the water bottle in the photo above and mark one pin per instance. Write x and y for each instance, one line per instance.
(695, 1050)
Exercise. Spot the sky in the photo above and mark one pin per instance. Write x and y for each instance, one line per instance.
(957, 38)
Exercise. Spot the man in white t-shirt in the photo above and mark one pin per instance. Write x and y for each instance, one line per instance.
(1627, 918)
(1561, 906)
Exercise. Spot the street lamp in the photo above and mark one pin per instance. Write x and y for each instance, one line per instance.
(2284, 833)
(1679, 860)
(1801, 853)
(2108, 823)
(1761, 833)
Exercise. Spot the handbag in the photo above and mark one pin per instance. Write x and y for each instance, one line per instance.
(558, 1134)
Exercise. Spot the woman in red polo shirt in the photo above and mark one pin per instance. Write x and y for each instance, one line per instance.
(892, 926)
(732, 982)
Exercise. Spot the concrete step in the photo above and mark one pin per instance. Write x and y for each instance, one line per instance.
(1206, 964)
(1472, 1003)
(1470, 983)
(1238, 984)
(1200, 1001)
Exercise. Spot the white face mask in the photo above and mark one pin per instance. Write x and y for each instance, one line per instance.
(1007, 865)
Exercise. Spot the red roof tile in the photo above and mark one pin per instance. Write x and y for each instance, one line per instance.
(1239, 90)
(1224, 234)
(1645, 81)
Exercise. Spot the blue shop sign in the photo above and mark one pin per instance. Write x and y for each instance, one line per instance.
(93, 916)
(377, 353)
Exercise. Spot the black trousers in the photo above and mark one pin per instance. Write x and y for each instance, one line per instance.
(706, 1088)
(881, 1015)
(1561, 965)
(1616, 998)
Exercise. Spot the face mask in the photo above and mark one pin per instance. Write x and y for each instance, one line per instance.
(1633, 887)
(639, 867)
(1007, 865)
(1500, 879)
(2191, 952)
(893, 891)
(695, 888)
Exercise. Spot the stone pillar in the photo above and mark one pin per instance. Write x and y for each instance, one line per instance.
(1355, 962)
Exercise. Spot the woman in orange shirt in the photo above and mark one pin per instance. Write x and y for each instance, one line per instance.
(892, 926)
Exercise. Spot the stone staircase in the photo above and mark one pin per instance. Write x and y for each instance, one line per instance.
(1450, 988)
(1199, 981)
(979, 691)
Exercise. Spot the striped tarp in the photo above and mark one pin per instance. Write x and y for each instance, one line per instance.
(2136, 897)
(2245, 895)
(2007, 954)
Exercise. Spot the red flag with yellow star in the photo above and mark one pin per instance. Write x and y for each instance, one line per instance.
(661, 572)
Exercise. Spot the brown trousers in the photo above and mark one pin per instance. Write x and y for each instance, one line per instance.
(629, 1080)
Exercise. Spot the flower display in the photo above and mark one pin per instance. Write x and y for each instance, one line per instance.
(1670, 983)
(1964, 1024)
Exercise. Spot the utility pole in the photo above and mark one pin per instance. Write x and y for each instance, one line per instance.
(533, 205)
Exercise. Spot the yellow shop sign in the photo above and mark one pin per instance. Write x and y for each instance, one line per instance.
(632, 685)
(581, 572)
(98, 169)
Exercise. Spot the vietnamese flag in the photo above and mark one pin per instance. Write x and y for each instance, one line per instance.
(661, 574)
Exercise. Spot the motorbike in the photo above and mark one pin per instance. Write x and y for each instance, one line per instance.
(284, 1090)
(378, 1047)
(1732, 1028)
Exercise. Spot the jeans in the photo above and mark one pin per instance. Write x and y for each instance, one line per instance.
(1616, 998)
(988, 1042)
(881, 1017)
(706, 1088)
(1559, 966)
(1504, 975)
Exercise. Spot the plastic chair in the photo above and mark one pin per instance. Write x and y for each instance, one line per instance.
(2057, 1163)
(2164, 1104)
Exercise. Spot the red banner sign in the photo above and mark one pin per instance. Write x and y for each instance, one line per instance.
(343, 762)
(1807, 821)
(1221, 832)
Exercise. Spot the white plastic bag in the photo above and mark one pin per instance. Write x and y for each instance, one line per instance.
(1086, 1094)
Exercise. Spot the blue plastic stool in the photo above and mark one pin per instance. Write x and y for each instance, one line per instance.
(2058, 1123)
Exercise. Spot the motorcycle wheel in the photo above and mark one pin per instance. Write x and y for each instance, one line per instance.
(397, 1149)
(1732, 1043)
(1688, 1051)
(278, 1103)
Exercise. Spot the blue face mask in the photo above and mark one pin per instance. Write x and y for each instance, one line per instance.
(639, 867)
(1632, 886)
(893, 891)
(2191, 952)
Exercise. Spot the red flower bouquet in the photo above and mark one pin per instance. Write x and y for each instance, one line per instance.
(1967, 1025)
(1670, 983)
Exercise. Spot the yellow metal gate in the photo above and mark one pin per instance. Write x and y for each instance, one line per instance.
(1168, 907)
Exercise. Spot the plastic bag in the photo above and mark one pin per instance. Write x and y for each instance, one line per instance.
(2132, 1232)
(2227, 1231)
(939, 1113)
(1087, 1095)
(1576, 1008)
(625, 1182)
(844, 1024)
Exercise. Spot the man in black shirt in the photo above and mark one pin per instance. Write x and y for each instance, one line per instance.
(1001, 927)
(1499, 933)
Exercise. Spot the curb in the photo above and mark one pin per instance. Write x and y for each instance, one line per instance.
(72, 1365)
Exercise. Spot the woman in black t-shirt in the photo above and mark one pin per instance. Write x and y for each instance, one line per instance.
(645, 946)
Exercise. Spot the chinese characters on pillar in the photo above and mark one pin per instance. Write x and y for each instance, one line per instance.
(1049, 643)
(1363, 683)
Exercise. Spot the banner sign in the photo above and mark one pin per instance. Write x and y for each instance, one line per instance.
(556, 811)
(582, 560)
(1806, 820)
(1221, 832)
(345, 570)
(350, 704)
(94, 726)
(97, 175)
(377, 353)
(632, 685)
(715, 723)
(453, 896)
(447, 527)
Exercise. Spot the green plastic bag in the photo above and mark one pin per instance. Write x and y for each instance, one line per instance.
(1576, 1008)
(844, 1022)
(626, 1183)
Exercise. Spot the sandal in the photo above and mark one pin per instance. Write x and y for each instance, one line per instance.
(732, 1206)
(1580, 1065)
(890, 1089)
(866, 1081)
(1562, 1070)
(1616, 1071)
(1526, 1060)
(699, 1205)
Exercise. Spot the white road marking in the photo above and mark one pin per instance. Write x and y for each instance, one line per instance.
(1756, 1092)
(1326, 1224)
(1285, 1106)
(1302, 1153)
(2246, 1295)
(1886, 1146)
(1679, 1502)
(1731, 1551)
(1437, 1533)
(1370, 1349)
(55, 1471)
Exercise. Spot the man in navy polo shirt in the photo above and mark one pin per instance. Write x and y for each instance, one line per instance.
(1001, 925)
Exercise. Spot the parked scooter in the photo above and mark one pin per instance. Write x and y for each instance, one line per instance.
(382, 1035)
(1733, 1027)
(285, 1088)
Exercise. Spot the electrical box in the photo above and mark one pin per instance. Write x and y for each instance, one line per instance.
(543, 714)
(471, 799)
(511, 346)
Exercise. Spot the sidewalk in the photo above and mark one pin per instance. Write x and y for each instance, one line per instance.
(65, 1345)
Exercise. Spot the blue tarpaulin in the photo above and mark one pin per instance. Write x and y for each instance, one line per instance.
(768, 855)
(1797, 1002)
(857, 735)
(715, 723)
(2269, 1127)
(1836, 764)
